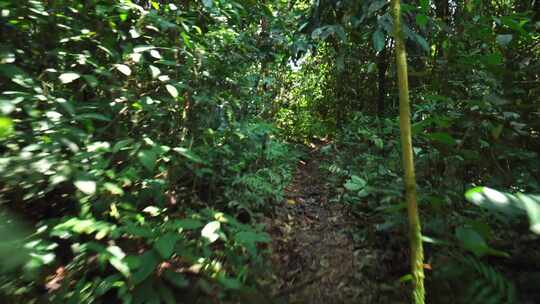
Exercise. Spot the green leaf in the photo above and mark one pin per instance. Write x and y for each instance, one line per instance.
(188, 154)
(147, 264)
(152, 210)
(379, 40)
(532, 206)
(113, 189)
(108, 283)
(6, 127)
(154, 71)
(11, 71)
(421, 20)
(124, 69)
(176, 278)
(187, 224)
(186, 39)
(355, 183)
(424, 4)
(91, 80)
(250, 237)
(422, 42)
(122, 145)
(504, 39)
(138, 231)
(496, 201)
(208, 3)
(210, 231)
(93, 116)
(474, 242)
(165, 245)
(442, 137)
(68, 77)
(117, 260)
(165, 294)
(471, 241)
(406, 278)
(435, 241)
(509, 204)
(86, 186)
(363, 193)
(143, 48)
(172, 90)
(376, 6)
(228, 282)
(492, 59)
(148, 159)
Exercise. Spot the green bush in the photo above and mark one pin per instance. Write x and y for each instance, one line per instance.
(127, 153)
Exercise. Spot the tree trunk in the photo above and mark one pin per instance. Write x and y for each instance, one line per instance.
(382, 64)
(415, 233)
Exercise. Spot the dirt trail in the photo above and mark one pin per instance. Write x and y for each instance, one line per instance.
(314, 255)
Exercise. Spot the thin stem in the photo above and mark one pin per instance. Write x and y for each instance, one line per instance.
(415, 231)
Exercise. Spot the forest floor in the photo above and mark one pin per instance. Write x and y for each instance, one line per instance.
(315, 257)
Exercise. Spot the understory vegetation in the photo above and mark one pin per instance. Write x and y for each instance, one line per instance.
(143, 143)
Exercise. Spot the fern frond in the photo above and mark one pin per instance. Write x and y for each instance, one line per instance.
(490, 286)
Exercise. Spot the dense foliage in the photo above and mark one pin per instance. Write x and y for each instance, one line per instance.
(142, 142)
(128, 128)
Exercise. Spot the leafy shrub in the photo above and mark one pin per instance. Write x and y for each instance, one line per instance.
(125, 147)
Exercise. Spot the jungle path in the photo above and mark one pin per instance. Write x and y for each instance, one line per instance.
(314, 255)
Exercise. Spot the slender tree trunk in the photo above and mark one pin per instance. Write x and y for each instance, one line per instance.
(415, 233)
(382, 64)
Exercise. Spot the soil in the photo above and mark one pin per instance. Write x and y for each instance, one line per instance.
(315, 257)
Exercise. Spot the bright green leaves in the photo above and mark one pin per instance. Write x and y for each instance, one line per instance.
(172, 90)
(69, 77)
(211, 231)
(76, 226)
(117, 260)
(186, 39)
(113, 189)
(86, 186)
(114, 79)
(532, 206)
(509, 204)
(494, 200)
(6, 127)
(358, 185)
(154, 71)
(124, 69)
